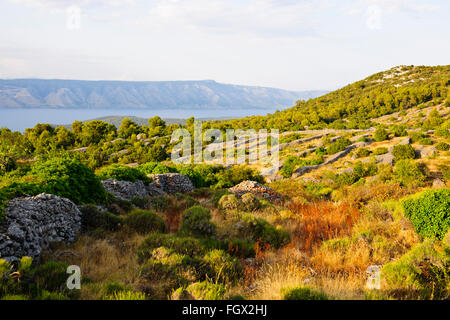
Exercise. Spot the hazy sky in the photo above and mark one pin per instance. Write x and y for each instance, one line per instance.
(290, 44)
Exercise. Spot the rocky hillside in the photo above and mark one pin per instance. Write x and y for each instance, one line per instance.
(38, 93)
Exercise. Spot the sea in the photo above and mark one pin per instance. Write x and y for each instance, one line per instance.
(20, 119)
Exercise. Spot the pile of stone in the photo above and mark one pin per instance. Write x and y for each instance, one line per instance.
(125, 190)
(171, 182)
(30, 224)
(256, 188)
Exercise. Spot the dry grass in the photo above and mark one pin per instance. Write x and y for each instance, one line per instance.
(112, 258)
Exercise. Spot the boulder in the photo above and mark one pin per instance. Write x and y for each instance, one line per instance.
(125, 190)
(30, 224)
(387, 158)
(171, 182)
(256, 188)
(427, 152)
(438, 183)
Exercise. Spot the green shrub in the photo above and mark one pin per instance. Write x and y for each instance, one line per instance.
(250, 202)
(7, 164)
(92, 218)
(235, 175)
(363, 139)
(399, 130)
(445, 171)
(442, 146)
(261, 230)
(362, 153)
(408, 173)
(144, 221)
(416, 136)
(195, 221)
(380, 150)
(422, 273)
(206, 291)
(380, 134)
(403, 151)
(224, 267)
(292, 162)
(69, 178)
(229, 202)
(429, 212)
(182, 245)
(122, 173)
(302, 293)
(338, 145)
(193, 175)
(426, 141)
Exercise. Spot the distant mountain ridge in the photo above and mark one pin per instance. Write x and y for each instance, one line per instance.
(40, 93)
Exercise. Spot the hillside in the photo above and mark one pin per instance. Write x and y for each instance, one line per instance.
(352, 106)
(349, 210)
(38, 93)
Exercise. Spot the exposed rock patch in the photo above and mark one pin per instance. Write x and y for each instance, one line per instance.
(32, 223)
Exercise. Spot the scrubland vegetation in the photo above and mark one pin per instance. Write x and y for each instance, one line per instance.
(316, 242)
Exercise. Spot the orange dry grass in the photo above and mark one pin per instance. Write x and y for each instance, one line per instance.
(317, 222)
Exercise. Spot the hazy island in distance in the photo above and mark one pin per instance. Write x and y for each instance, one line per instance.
(73, 94)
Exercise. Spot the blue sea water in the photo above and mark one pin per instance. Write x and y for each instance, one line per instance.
(20, 119)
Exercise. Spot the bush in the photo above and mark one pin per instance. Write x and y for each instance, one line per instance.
(408, 173)
(235, 175)
(7, 164)
(182, 245)
(292, 162)
(380, 134)
(429, 213)
(399, 130)
(250, 202)
(380, 150)
(261, 230)
(225, 267)
(445, 171)
(122, 173)
(195, 221)
(426, 141)
(422, 273)
(144, 221)
(92, 218)
(416, 136)
(442, 146)
(302, 293)
(206, 291)
(69, 178)
(229, 202)
(362, 153)
(403, 151)
(338, 145)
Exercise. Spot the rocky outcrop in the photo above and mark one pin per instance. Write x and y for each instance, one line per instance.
(256, 188)
(125, 190)
(438, 183)
(171, 182)
(387, 158)
(30, 224)
(426, 152)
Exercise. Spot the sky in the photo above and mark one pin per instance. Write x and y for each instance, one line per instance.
(288, 44)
